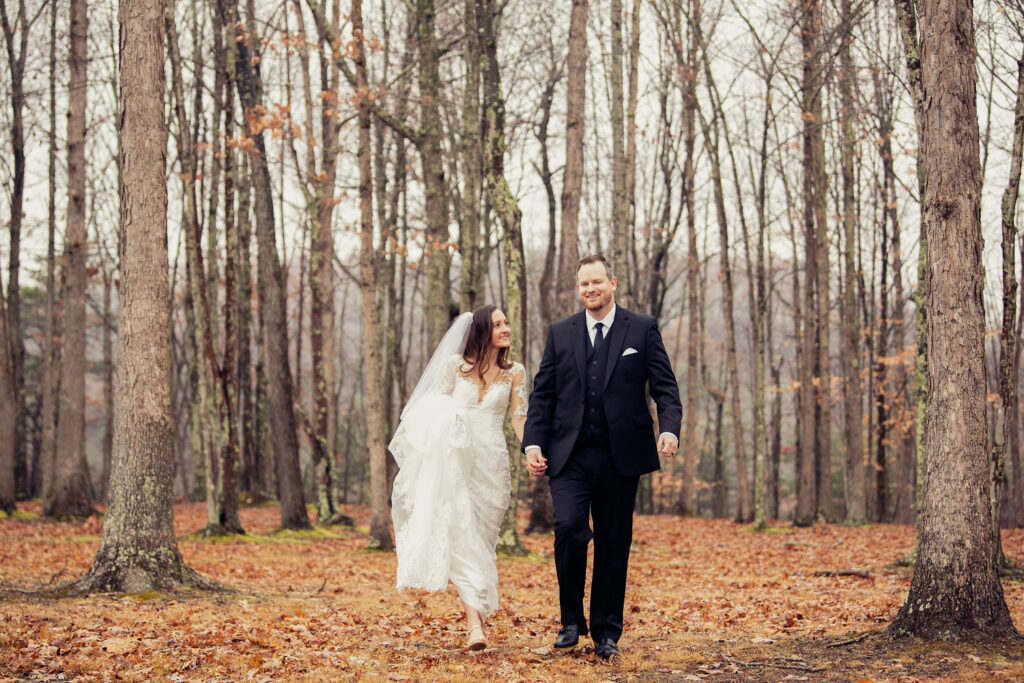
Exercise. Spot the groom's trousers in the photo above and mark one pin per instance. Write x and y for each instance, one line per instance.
(589, 485)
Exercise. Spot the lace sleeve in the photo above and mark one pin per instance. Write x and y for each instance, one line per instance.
(447, 382)
(517, 399)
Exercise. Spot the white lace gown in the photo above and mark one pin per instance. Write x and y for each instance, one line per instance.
(452, 487)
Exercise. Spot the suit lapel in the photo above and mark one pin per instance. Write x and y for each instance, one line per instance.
(618, 337)
(579, 347)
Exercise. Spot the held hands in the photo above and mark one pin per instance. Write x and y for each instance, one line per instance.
(536, 463)
(668, 444)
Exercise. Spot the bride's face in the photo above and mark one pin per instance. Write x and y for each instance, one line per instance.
(501, 333)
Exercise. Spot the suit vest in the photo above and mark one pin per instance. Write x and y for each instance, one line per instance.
(594, 430)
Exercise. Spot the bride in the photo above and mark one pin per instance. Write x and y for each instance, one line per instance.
(452, 487)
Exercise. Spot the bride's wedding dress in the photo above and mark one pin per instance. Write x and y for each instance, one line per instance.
(452, 487)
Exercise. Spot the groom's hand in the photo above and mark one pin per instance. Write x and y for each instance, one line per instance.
(668, 444)
(536, 463)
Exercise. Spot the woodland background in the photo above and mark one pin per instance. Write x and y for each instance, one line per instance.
(271, 213)
(749, 168)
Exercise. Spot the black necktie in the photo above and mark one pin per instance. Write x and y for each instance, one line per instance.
(598, 336)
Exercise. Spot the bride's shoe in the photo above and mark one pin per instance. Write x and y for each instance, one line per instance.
(475, 639)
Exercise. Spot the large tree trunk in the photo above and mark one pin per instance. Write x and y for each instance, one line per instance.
(270, 283)
(138, 551)
(380, 528)
(72, 490)
(955, 592)
(572, 178)
(854, 470)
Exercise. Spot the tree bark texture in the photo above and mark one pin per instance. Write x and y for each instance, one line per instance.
(16, 37)
(855, 467)
(955, 592)
(435, 189)
(138, 550)
(7, 497)
(72, 490)
(507, 210)
(380, 528)
(572, 177)
(688, 497)
(807, 504)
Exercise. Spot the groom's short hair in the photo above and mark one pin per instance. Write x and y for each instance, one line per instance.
(596, 258)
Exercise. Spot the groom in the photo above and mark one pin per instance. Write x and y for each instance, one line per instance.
(589, 429)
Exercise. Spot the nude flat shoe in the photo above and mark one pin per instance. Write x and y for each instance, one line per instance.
(475, 639)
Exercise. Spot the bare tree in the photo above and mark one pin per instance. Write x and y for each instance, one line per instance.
(71, 493)
(139, 550)
(955, 592)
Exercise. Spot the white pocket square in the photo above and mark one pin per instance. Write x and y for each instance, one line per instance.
(629, 352)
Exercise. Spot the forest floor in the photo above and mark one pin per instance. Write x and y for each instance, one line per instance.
(707, 600)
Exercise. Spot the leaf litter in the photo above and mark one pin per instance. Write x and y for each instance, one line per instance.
(706, 600)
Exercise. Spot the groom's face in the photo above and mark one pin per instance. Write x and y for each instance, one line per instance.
(596, 289)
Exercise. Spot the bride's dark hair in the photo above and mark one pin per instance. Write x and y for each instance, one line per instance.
(478, 343)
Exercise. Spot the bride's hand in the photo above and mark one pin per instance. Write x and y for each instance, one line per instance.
(536, 463)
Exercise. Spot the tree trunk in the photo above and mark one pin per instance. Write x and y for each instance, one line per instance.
(380, 529)
(906, 12)
(470, 141)
(508, 213)
(270, 283)
(546, 287)
(854, 470)
(620, 207)
(807, 503)
(719, 495)
(72, 490)
(955, 593)
(744, 506)
(206, 360)
(438, 262)
(542, 511)
(51, 348)
(17, 33)
(138, 550)
(321, 275)
(108, 380)
(572, 178)
(7, 496)
(823, 436)
(1008, 376)
(688, 497)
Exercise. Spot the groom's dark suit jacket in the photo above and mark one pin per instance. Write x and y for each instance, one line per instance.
(636, 360)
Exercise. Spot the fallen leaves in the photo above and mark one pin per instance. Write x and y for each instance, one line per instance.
(707, 600)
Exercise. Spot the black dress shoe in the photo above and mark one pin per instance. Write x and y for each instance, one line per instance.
(605, 648)
(568, 636)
